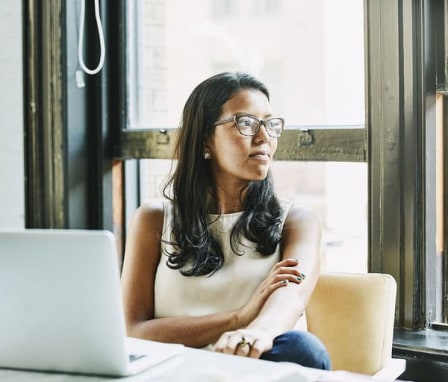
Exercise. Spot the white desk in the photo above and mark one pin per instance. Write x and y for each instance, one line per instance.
(202, 366)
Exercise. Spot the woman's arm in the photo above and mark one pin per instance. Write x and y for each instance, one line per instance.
(301, 241)
(142, 256)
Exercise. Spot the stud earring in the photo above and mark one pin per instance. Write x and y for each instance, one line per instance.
(207, 155)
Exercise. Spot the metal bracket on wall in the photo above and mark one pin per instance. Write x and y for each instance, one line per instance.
(305, 138)
(162, 137)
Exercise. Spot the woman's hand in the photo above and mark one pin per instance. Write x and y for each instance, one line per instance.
(245, 342)
(282, 273)
(255, 341)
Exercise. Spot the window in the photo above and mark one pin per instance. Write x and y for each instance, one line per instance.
(311, 56)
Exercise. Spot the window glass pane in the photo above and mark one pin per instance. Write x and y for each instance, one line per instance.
(309, 53)
(337, 192)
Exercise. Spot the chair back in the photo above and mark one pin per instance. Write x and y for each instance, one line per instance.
(353, 315)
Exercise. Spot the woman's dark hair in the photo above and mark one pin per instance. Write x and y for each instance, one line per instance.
(196, 251)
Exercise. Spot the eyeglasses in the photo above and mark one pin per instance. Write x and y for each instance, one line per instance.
(248, 125)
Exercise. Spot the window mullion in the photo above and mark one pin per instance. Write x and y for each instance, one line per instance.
(400, 160)
(444, 278)
(334, 145)
(45, 133)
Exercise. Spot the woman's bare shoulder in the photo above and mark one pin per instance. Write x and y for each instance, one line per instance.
(149, 213)
(146, 224)
(144, 233)
(302, 215)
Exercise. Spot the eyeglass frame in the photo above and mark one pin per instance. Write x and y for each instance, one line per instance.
(235, 118)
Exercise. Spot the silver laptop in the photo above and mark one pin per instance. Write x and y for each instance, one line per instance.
(61, 307)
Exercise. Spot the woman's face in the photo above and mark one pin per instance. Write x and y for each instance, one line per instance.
(235, 157)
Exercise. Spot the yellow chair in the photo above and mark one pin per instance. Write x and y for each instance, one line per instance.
(353, 315)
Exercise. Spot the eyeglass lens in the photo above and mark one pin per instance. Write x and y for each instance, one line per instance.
(250, 126)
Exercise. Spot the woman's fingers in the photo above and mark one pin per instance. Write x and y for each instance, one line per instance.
(243, 343)
(244, 346)
(287, 269)
(232, 343)
(281, 277)
(282, 273)
(259, 346)
(224, 344)
(286, 263)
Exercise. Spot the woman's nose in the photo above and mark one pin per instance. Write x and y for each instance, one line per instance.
(262, 134)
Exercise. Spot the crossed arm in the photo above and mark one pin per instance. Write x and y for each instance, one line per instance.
(273, 308)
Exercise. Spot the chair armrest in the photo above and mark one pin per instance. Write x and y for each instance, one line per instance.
(391, 370)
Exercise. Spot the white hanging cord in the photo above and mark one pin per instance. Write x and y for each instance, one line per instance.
(81, 39)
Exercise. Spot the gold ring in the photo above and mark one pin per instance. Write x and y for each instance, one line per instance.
(243, 342)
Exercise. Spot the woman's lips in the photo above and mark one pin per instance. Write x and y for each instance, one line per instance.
(260, 155)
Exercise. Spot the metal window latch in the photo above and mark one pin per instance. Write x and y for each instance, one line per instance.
(305, 138)
(163, 138)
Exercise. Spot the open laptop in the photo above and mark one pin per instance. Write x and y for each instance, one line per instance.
(61, 307)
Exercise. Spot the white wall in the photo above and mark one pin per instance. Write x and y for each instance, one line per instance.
(12, 209)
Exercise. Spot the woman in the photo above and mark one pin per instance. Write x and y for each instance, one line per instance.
(224, 263)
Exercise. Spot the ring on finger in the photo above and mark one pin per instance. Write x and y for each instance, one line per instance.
(244, 342)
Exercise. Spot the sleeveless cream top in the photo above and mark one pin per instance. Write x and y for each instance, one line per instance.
(228, 289)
